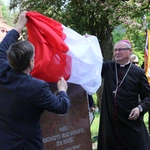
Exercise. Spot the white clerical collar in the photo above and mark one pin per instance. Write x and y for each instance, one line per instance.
(125, 64)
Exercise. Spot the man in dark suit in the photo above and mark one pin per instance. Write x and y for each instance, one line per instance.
(23, 98)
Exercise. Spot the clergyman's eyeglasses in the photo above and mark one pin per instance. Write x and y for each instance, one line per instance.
(120, 49)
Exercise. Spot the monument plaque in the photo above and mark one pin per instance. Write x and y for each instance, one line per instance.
(70, 131)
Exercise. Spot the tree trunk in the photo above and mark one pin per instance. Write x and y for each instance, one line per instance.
(106, 44)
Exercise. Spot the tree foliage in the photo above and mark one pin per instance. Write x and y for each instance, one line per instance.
(4, 12)
(96, 17)
(7, 15)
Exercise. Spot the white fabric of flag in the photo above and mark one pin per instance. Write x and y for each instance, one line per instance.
(87, 60)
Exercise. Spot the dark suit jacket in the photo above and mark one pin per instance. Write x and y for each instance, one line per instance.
(23, 99)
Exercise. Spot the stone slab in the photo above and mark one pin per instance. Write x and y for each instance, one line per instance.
(72, 130)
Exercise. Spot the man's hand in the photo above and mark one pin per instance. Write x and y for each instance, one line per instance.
(62, 85)
(134, 114)
(22, 20)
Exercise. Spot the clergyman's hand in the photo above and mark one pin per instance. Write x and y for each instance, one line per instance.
(134, 114)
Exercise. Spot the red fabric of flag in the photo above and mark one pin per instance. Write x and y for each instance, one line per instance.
(51, 60)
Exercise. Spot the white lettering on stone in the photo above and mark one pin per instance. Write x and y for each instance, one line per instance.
(68, 148)
(78, 131)
(64, 138)
(76, 147)
(59, 143)
(64, 135)
(51, 138)
(68, 140)
(64, 128)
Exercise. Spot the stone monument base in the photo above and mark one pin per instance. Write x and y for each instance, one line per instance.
(70, 131)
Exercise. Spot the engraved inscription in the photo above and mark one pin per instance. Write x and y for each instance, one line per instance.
(65, 137)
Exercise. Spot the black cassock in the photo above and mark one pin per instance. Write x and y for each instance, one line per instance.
(116, 131)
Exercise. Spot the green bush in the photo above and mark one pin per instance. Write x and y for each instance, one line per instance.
(95, 99)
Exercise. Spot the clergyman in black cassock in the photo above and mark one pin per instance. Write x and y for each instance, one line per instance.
(121, 117)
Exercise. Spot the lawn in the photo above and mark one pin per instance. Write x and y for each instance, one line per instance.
(95, 127)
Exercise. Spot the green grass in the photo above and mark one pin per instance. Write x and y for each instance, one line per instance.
(95, 127)
(146, 119)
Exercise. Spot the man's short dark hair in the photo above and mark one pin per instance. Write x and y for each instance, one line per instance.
(19, 55)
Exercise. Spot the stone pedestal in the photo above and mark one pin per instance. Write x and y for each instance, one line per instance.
(72, 130)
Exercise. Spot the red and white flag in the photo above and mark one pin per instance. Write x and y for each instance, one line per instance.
(61, 51)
